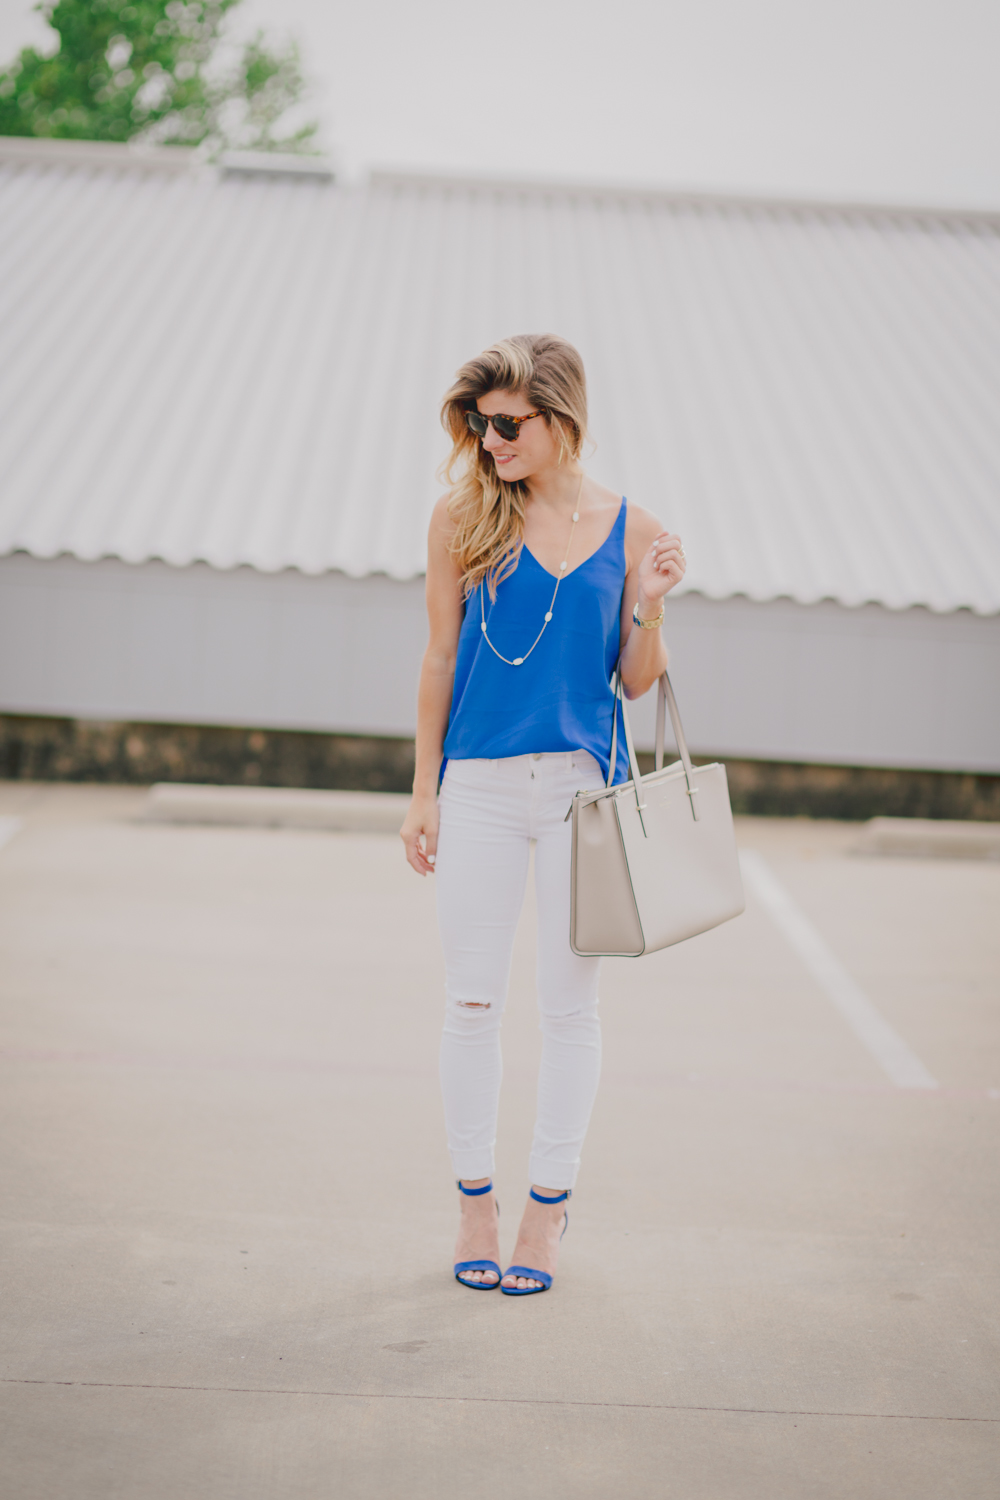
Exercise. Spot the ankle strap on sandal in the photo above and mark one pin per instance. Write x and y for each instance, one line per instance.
(473, 1192)
(560, 1199)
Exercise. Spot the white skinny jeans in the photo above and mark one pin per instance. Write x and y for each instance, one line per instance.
(490, 811)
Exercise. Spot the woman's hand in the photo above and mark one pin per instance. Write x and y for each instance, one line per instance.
(420, 834)
(661, 568)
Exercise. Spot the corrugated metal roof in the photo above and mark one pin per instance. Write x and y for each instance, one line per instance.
(244, 370)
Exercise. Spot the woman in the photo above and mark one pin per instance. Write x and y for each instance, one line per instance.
(537, 578)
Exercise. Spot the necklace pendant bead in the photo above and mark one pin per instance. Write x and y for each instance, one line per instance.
(520, 660)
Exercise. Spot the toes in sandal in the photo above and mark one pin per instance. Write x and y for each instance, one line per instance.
(462, 1266)
(528, 1271)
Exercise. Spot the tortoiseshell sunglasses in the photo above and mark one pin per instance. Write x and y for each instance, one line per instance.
(509, 428)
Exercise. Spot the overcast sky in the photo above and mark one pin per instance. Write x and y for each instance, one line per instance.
(877, 100)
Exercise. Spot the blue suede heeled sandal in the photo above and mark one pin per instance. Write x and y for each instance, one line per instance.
(477, 1265)
(542, 1276)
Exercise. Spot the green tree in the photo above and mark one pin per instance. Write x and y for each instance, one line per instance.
(159, 70)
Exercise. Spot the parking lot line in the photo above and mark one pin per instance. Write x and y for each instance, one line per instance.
(897, 1060)
(8, 828)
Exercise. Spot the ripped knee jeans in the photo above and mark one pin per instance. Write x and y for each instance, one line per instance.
(491, 813)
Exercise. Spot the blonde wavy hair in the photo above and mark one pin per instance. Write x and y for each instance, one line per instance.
(488, 513)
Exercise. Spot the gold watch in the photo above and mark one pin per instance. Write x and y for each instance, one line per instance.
(647, 624)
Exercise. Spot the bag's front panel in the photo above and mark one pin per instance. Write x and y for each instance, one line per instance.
(603, 918)
(685, 876)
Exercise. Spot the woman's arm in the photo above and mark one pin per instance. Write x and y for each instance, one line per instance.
(437, 676)
(656, 564)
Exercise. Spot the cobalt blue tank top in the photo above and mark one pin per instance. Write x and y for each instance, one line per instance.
(561, 698)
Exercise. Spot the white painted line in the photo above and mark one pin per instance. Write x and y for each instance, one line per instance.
(8, 828)
(894, 1057)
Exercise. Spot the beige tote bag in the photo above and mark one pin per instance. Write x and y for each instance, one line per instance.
(654, 860)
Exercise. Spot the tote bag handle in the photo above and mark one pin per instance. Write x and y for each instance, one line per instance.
(664, 700)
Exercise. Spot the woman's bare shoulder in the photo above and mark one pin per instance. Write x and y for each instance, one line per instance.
(641, 529)
(441, 514)
(442, 566)
(442, 524)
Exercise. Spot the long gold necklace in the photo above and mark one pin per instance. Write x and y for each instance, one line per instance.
(520, 660)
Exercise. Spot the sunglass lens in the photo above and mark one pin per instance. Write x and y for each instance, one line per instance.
(477, 422)
(506, 428)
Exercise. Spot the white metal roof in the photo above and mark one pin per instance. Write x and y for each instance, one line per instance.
(245, 369)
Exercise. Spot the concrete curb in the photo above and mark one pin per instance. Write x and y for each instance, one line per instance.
(930, 838)
(275, 807)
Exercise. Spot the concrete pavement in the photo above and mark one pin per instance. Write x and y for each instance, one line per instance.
(229, 1212)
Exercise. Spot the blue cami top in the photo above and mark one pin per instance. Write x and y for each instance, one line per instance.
(561, 698)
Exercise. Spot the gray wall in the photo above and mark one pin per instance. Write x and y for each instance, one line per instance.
(777, 681)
